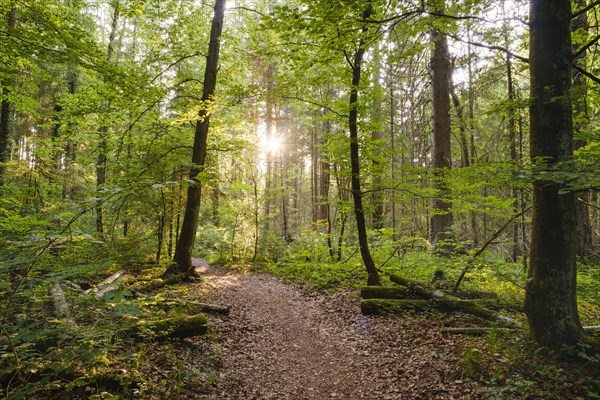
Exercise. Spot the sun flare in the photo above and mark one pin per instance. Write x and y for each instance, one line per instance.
(271, 145)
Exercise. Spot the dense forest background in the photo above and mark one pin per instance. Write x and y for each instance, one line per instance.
(419, 110)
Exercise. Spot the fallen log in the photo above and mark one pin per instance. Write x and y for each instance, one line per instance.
(453, 302)
(384, 292)
(206, 307)
(476, 331)
(107, 282)
(484, 330)
(59, 301)
(392, 306)
(477, 294)
(179, 327)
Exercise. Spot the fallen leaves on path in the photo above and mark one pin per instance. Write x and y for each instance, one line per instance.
(283, 342)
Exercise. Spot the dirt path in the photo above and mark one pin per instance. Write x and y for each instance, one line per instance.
(282, 342)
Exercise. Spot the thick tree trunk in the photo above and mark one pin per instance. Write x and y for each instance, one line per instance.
(550, 300)
(185, 244)
(441, 220)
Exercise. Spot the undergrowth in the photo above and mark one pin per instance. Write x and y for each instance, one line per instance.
(99, 351)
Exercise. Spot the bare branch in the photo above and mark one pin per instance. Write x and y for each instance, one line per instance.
(491, 47)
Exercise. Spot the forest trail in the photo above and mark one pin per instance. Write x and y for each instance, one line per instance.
(283, 342)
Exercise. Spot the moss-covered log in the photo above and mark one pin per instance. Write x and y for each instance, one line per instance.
(450, 302)
(384, 292)
(196, 305)
(393, 306)
(475, 331)
(179, 327)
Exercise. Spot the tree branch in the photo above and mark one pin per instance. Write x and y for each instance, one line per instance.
(584, 48)
(491, 47)
(586, 73)
(314, 103)
(585, 9)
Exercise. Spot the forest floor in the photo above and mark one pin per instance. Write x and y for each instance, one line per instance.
(282, 342)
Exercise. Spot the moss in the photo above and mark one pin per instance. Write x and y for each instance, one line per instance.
(177, 327)
(385, 306)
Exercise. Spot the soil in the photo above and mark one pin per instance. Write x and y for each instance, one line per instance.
(282, 342)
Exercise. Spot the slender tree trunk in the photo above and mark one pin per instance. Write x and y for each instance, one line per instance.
(512, 137)
(550, 300)
(102, 158)
(462, 128)
(5, 109)
(584, 232)
(378, 216)
(441, 220)
(185, 244)
(359, 213)
(70, 147)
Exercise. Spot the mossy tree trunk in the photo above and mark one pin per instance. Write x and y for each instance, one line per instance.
(185, 245)
(550, 300)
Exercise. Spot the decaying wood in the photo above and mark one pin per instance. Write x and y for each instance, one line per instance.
(206, 307)
(105, 289)
(59, 301)
(485, 330)
(179, 327)
(454, 303)
(384, 292)
(392, 306)
(107, 285)
(165, 281)
(476, 294)
(476, 331)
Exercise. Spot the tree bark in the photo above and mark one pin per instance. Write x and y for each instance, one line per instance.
(583, 230)
(441, 220)
(359, 212)
(5, 109)
(185, 244)
(102, 157)
(550, 300)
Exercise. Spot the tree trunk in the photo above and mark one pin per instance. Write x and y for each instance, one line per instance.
(102, 158)
(584, 231)
(359, 213)
(185, 244)
(550, 300)
(5, 110)
(441, 220)
(378, 215)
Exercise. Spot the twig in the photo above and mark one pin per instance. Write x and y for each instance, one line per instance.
(482, 248)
